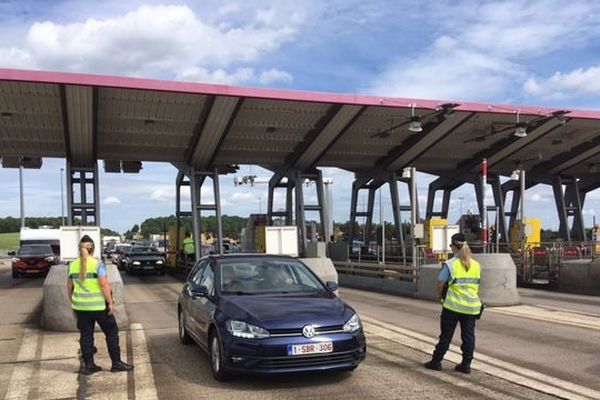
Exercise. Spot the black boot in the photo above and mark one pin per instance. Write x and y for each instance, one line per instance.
(89, 368)
(463, 367)
(434, 365)
(121, 366)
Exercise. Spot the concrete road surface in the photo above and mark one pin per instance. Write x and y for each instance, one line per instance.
(546, 348)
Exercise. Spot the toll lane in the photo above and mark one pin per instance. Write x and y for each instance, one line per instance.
(392, 370)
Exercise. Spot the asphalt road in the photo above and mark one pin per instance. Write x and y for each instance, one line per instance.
(393, 369)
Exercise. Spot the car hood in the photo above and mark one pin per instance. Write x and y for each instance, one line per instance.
(145, 257)
(287, 311)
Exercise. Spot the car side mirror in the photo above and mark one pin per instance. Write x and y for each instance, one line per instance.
(331, 285)
(12, 253)
(200, 291)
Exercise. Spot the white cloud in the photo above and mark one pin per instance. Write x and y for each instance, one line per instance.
(483, 48)
(155, 40)
(242, 197)
(111, 200)
(579, 82)
(275, 75)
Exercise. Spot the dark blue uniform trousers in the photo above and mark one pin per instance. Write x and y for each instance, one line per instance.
(86, 321)
(448, 321)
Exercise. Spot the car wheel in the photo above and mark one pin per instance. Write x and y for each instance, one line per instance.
(161, 272)
(216, 358)
(127, 269)
(184, 337)
(15, 273)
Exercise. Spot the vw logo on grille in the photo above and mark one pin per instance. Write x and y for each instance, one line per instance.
(308, 331)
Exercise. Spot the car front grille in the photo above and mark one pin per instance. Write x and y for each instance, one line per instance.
(298, 331)
(309, 361)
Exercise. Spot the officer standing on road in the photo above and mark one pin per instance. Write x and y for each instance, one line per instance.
(92, 301)
(459, 278)
(189, 247)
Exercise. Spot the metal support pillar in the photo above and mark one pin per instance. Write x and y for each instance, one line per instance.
(515, 188)
(179, 183)
(569, 204)
(434, 187)
(357, 186)
(276, 182)
(370, 208)
(296, 180)
(499, 203)
(300, 216)
(396, 210)
(197, 179)
(83, 181)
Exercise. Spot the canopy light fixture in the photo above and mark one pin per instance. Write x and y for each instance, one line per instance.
(515, 175)
(520, 128)
(415, 125)
(406, 173)
(6, 115)
(593, 168)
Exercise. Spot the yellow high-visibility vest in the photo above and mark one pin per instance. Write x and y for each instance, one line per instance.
(189, 247)
(463, 289)
(87, 295)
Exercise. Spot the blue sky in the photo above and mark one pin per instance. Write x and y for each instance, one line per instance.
(542, 53)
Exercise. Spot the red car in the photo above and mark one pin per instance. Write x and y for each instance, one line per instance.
(32, 259)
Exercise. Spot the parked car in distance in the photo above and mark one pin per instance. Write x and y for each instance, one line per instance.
(267, 314)
(138, 259)
(117, 254)
(32, 259)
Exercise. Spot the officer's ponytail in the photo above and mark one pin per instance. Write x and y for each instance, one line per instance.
(465, 256)
(86, 248)
(464, 252)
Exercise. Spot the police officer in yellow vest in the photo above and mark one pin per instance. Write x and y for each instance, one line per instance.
(91, 299)
(459, 279)
(189, 247)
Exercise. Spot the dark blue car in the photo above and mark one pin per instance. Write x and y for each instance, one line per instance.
(265, 314)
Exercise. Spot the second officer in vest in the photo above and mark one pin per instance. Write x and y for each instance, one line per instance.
(92, 301)
(459, 279)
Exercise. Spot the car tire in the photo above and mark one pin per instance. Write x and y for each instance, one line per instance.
(217, 358)
(15, 273)
(184, 336)
(161, 272)
(127, 269)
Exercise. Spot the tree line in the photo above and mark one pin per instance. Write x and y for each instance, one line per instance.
(11, 224)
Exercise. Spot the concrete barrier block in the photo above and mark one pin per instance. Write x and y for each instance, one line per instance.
(498, 285)
(57, 314)
(580, 276)
(372, 284)
(323, 267)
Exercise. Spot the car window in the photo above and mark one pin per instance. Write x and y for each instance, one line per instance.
(208, 279)
(35, 249)
(196, 273)
(266, 275)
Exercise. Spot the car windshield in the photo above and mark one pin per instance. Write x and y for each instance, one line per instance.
(35, 250)
(256, 276)
(143, 250)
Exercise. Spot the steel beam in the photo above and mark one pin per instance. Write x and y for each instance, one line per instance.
(325, 133)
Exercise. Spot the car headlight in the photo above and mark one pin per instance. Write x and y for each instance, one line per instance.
(49, 259)
(245, 330)
(159, 262)
(16, 260)
(353, 324)
(136, 263)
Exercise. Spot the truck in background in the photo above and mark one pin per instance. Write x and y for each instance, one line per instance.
(70, 237)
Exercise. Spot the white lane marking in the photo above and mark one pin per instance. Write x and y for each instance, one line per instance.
(142, 373)
(547, 314)
(19, 384)
(489, 365)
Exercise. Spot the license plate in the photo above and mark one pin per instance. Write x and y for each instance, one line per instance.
(149, 267)
(310, 348)
(32, 271)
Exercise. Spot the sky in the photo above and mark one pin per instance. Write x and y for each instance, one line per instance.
(541, 53)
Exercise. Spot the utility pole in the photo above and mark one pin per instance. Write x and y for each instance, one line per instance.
(22, 199)
(62, 198)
